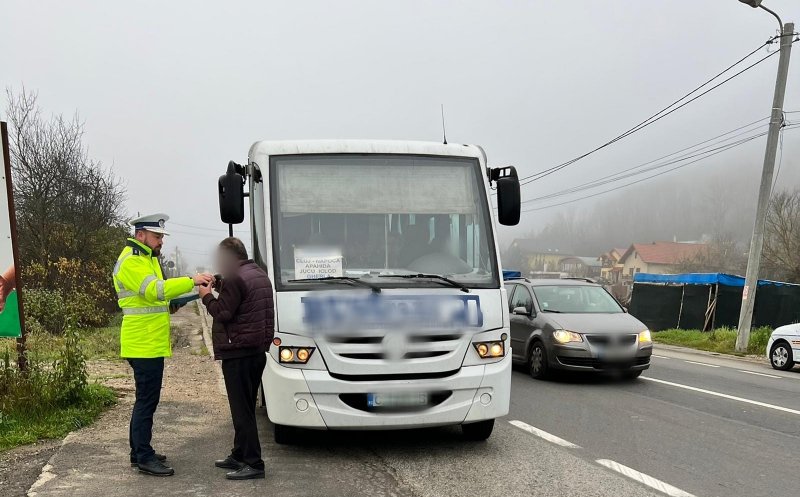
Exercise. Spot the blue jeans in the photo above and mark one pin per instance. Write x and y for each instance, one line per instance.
(148, 374)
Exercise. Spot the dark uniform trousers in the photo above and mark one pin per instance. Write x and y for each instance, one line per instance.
(148, 375)
(242, 379)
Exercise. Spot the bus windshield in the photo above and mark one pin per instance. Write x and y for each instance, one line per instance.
(377, 216)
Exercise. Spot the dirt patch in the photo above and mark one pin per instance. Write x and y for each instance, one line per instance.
(20, 467)
(188, 376)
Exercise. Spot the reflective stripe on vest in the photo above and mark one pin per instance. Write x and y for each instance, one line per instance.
(125, 293)
(160, 289)
(145, 310)
(143, 286)
(116, 272)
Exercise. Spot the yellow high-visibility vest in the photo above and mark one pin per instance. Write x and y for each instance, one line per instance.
(143, 295)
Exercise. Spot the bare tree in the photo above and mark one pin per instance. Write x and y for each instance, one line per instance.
(722, 254)
(69, 208)
(58, 189)
(781, 255)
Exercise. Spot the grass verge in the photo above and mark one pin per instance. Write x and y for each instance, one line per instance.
(95, 343)
(54, 396)
(722, 340)
(29, 425)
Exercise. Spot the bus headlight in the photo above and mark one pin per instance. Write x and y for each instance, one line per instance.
(490, 349)
(295, 355)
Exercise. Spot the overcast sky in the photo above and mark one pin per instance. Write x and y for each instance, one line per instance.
(170, 91)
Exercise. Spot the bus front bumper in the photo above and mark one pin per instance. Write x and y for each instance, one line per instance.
(315, 399)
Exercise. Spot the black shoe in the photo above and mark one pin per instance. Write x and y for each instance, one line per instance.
(229, 463)
(154, 467)
(160, 457)
(246, 473)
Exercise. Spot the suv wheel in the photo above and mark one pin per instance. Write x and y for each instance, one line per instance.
(781, 356)
(537, 361)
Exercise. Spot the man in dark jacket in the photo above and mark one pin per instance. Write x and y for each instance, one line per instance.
(243, 327)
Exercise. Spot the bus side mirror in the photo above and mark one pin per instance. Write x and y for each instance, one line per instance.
(508, 196)
(231, 195)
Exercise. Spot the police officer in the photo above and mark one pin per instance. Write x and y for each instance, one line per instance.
(143, 295)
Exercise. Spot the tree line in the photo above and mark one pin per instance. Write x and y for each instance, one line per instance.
(715, 209)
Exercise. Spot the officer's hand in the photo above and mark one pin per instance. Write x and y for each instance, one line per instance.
(204, 290)
(202, 279)
(173, 308)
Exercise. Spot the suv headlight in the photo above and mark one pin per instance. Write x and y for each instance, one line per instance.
(564, 336)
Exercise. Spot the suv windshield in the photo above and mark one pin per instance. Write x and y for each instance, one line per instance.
(380, 215)
(576, 299)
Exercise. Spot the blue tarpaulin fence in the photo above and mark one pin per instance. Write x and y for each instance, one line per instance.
(709, 300)
(701, 279)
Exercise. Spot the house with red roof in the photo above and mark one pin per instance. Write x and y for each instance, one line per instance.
(658, 257)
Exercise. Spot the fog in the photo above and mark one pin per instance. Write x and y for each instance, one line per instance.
(170, 91)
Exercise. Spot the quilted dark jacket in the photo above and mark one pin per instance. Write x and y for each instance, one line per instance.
(244, 315)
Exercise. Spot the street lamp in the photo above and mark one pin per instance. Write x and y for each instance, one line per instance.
(765, 190)
(757, 4)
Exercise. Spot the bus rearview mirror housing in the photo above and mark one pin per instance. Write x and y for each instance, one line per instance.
(508, 196)
(231, 195)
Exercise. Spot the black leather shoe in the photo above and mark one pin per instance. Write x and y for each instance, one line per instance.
(246, 473)
(154, 467)
(160, 457)
(229, 463)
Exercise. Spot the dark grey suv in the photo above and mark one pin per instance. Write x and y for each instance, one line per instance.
(574, 325)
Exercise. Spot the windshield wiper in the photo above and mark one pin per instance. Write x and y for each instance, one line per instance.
(343, 279)
(439, 277)
(552, 310)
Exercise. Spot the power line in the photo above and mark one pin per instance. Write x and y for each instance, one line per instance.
(651, 176)
(221, 228)
(711, 142)
(660, 114)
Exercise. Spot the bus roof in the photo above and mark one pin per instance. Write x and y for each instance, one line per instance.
(291, 147)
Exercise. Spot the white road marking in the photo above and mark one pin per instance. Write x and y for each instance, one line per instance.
(543, 434)
(643, 478)
(758, 374)
(703, 364)
(723, 395)
(661, 356)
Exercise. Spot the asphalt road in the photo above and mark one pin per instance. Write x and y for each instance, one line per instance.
(706, 425)
(693, 425)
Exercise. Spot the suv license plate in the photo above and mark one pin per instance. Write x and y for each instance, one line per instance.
(397, 399)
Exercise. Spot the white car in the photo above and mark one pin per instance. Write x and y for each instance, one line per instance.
(783, 347)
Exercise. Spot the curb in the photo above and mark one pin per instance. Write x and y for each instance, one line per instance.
(686, 350)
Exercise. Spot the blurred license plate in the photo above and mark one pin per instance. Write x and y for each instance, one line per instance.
(397, 399)
(614, 353)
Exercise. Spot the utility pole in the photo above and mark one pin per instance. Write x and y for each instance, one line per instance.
(765, 190)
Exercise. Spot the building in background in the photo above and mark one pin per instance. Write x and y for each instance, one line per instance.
(580, 267)
(610, 267)
(529, 256)
(657, 257)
